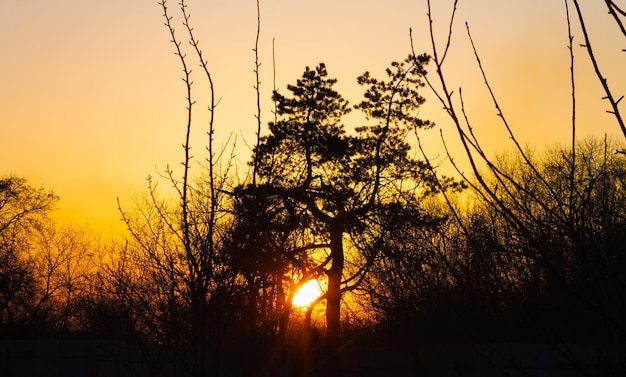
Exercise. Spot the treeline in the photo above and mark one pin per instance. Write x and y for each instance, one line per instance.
(457, 272)
(545, 269)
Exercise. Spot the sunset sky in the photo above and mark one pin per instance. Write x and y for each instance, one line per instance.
(92, 102)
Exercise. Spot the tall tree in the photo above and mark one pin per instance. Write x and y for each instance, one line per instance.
(341, 187)
(186, 284)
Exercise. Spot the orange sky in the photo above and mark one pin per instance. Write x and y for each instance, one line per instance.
(91, 100)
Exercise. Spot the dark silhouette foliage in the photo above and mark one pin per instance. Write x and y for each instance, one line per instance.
(528, 250)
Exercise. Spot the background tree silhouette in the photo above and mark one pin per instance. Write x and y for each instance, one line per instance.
(22, 209)
(543, 209)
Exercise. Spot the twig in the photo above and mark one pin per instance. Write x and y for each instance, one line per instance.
(257, 89)
(570, 39)
(186, 145)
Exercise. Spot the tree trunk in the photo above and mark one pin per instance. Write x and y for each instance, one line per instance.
(333, 300)
(199, 333)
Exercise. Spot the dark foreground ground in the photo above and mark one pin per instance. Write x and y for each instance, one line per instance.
(118, 358)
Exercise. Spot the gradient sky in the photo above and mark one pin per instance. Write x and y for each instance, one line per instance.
(92, 102)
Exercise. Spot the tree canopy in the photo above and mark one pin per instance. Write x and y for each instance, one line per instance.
(341, 186)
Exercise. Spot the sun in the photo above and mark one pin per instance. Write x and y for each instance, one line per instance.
(307, 294)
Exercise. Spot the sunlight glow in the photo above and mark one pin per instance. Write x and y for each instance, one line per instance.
(306, 294)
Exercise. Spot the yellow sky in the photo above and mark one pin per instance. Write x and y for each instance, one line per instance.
(91, 97)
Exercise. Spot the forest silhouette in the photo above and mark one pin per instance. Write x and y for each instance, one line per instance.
(528, 248)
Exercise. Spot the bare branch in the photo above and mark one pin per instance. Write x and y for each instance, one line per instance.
(603, 80)
(258, 90)
(573, 85)
(615, 11)
(445, 52)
